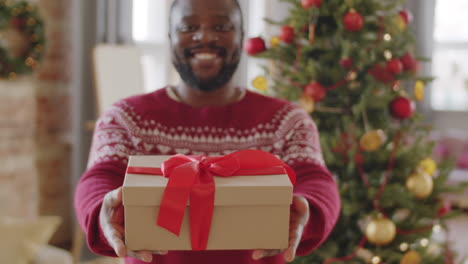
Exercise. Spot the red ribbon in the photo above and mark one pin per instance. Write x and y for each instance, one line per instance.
(192, 177)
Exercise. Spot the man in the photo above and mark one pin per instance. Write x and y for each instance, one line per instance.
(205, 114)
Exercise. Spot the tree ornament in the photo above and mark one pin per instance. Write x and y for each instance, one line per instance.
(274, 41)
(409, 62)
(402, 107)
(394, 66)
(381, 74)
(254, 46)
(428, 166)
(399, 23)
(308, 3)
(260, 83)
(307, 103)
(287, 34)
(372, 140)
(316, 91)
(420, 184)
(346, 62)
(411, 257)
(353, 21)
(381, 231)
(419, 90)
(396, 85)
(351, 76)
(406, 15)
(445, 208)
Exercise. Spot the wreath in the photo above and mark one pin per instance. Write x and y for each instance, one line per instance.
(21, 38)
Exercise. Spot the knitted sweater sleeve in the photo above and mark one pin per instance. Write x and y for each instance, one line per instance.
(303, 153)
(110, 148)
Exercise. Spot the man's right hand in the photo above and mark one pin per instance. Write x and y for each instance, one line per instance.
(111, 219)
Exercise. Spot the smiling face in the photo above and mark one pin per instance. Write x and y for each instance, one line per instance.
(206, 41)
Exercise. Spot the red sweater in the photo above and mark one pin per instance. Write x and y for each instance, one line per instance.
(155, 123)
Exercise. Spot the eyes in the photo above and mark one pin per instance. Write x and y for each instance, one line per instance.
(190, 28)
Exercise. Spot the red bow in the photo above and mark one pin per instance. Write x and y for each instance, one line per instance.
(192, 176)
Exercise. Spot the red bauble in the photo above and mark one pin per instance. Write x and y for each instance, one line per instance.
(380, 73)
(394, 66)
(446, 207)
(316, 91)
(353, 21)
(308, 3)
(409, 62)
(254, 46)
(346, 62)
(287, 34)
(402, 107)
(406, 15)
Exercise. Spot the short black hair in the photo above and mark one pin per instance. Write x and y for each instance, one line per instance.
(236, 3)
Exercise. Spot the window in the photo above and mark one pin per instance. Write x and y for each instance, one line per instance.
(149, 32)
(450, 60)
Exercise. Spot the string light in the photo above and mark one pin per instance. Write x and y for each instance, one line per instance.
(424, 242)
(436, 228)
(352, 76)
(388, 55)
(404, 246)
(387, 37)
(376, 260)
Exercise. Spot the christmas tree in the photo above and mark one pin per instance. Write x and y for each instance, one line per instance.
(352, 65)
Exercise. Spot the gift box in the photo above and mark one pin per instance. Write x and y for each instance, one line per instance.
(234, 202)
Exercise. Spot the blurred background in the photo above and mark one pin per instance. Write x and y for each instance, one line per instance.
(98, 49)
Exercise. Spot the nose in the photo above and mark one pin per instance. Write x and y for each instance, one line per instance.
(205, 35)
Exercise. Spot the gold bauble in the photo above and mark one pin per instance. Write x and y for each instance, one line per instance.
(260, 83)
(399, 23)
(411, 257)
(428, 166)
(372, 140)
(381, 231)
(307, 103)
(419, 90)
(420, 184)
(274, 41)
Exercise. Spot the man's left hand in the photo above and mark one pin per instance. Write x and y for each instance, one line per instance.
(298, 219)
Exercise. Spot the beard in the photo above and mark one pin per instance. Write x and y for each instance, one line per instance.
(225, 74)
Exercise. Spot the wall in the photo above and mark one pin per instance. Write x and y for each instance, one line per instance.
(19, 190)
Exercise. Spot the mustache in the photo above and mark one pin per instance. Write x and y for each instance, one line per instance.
(220, 50)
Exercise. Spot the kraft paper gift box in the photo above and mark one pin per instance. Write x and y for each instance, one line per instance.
(250, 212)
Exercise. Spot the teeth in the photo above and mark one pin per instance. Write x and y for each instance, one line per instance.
(205, 56)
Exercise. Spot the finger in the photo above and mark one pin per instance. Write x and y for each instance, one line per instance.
(115, 197)
(143, 255)
(294, 240)
(116, 242)
(160, 252)
(259, 253)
